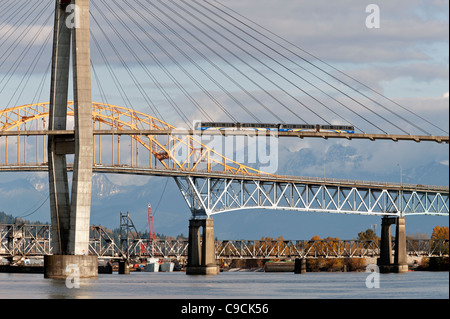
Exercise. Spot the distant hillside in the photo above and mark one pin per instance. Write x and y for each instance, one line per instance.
(6, 219)
(10, 219)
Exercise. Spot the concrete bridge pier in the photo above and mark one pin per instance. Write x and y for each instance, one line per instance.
(70, 215)
(62, 266)
(124, 267)
(399, 264)
(201, 250)
(300, 266)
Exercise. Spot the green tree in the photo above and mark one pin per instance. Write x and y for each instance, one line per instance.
(369, 234)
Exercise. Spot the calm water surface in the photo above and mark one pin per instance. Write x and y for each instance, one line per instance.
(233, 285)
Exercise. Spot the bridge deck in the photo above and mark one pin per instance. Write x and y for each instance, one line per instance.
(127, 169)
(324, 135)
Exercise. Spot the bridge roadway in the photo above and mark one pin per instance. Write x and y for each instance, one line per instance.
(324, 135)
(208, 192)
(129, 169)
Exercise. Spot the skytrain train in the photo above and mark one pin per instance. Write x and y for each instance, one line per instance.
(203, 126)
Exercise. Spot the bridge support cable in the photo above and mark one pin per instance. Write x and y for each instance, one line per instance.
(207, 35)
(20, 15)
(180, 86)
(24, 53)
(124, 65)
(212, 63)
(29, 72)
(133, 76)
(174, 60)
(285, 67)
(5, 8)
(247, 53)
(276, 61)
(153, 56)
(253, 68)
(205, 58)
(241, 20)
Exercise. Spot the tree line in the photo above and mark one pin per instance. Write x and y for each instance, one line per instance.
(9, 219)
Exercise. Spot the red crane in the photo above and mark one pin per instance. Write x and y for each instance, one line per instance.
(151, 224)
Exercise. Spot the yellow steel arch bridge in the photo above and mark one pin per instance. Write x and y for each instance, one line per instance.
(131, 142)
(31, 119)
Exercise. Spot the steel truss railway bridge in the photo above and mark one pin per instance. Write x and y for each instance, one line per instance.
(28, 241)
(85, 136)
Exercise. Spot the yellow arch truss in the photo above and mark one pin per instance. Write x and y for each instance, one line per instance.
(162, 147)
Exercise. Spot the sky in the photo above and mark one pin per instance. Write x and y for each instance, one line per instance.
(406, 59)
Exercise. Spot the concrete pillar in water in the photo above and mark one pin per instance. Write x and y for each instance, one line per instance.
(400, 255)
(201, 254)
(71, 216)
(124, 267)
(300, 266)
(61, 266)
(194, 247)
(385, 261)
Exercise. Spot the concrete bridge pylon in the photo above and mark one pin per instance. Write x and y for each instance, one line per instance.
(70, 215)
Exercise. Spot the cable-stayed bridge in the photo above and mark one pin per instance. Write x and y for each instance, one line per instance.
(185, 60)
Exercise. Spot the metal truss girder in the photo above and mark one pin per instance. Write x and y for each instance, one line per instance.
(208, 196)
(102, 245)
(25, 240)
(274, 249)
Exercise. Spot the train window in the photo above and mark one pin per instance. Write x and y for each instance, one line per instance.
(217, 124)
(249, 125)
(296, 126)
(227, 124)
(337, 127)
(267, 125)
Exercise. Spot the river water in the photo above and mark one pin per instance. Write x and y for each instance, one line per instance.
(230, 285)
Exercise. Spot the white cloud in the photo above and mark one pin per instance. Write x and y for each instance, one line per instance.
(128, 180)
(296, 145)
(318, 25)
